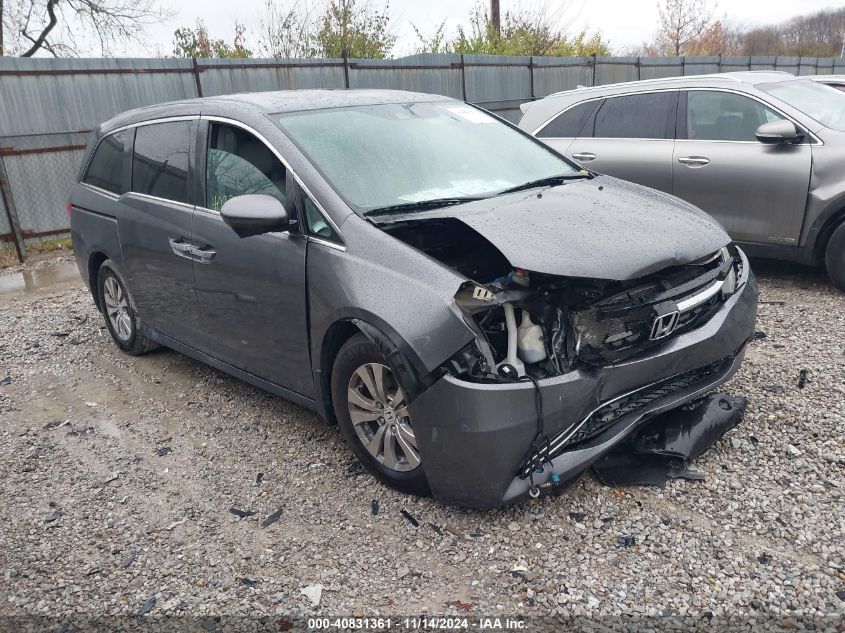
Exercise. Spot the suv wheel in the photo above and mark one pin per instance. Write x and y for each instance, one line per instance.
(373, 416)
(119, 311)
(834, 258)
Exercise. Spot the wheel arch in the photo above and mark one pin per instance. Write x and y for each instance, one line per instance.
(403, 361)
(95, 261)
(338, 333)
(824, 234)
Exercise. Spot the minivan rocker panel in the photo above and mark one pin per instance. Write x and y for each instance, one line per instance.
(484, 327)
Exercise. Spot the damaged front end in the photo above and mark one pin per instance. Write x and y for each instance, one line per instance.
(563, 369)
(539, 325)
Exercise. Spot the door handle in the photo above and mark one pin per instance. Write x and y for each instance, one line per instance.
(584, 156)
(203, 255)
(181, 248)
(694, 161)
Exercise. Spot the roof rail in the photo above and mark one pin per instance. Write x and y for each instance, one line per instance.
(729, 76)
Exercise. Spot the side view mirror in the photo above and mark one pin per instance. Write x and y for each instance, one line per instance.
(254, 214)
(777, 132)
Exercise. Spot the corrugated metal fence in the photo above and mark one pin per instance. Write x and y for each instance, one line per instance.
(48, 106)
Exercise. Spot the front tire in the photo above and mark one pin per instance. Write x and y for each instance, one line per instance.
(372, 414)
(120, 312)
(834, 258)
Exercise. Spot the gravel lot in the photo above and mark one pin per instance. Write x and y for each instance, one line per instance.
(118, 475)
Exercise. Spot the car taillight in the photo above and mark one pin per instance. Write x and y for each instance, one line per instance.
(69, 209)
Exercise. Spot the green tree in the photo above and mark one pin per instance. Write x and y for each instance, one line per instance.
(583, 45)
(196, 42)
(356, 28)
(526, 30)
(434, 43)
(326, 29)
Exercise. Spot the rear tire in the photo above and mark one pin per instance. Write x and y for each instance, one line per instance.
(381, 435)
(834, 258)
(120, 312)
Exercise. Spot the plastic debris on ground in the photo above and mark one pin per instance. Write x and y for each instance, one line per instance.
(270, 520)
(410, 518)
(314, 593)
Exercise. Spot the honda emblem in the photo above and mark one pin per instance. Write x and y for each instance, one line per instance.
(664, 324)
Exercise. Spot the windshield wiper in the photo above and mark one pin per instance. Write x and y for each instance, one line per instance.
(422, 205)
(543, 182)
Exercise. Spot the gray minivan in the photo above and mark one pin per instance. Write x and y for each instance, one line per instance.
(483, 319)
(762, 152)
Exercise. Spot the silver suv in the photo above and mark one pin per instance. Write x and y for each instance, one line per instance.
(762, 152)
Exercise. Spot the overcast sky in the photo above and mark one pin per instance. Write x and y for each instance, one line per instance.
(626, 23)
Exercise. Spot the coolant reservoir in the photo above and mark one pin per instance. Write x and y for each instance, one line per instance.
(529, 340)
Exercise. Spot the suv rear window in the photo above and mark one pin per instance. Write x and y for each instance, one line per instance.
(568, 124)
(650, 115)
(160, 160)
(106, 167)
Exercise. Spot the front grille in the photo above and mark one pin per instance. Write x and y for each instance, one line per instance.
(612, 411)
(621, 326)
(696, 316)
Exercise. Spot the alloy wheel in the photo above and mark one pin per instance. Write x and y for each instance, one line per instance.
(380, 417)
(117, 309)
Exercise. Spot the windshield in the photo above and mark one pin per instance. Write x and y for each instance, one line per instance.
(399, 154)
(825, 104)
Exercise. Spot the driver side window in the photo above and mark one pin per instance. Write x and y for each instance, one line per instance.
(237, 164)
(725, 116)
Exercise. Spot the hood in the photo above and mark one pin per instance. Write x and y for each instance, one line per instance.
(598, 228)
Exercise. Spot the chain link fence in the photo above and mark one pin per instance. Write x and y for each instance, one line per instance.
(49, 106)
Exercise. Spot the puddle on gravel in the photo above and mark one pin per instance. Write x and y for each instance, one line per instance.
(33, 280)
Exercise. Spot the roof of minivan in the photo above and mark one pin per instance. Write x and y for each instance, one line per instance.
(295, 100)
(272, 102)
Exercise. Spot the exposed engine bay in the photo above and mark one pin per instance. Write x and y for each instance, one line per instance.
(534, 325)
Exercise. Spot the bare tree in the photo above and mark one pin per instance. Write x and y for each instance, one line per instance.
(720, 38)
(681, 22)
(818, 34)
(288, 30)
(67, 27)
(763, 41)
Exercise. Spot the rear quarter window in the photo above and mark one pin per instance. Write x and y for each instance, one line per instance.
(106, 168)
(568, 124)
